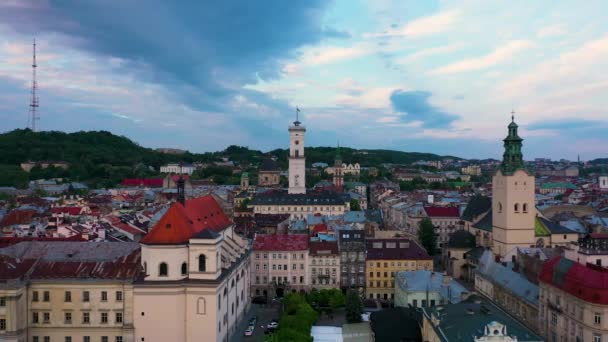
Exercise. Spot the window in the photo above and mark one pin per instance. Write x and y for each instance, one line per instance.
(499, 207)
(104, 296)
(35, 296)
(597, 318)
(46, 317)
(553, 318)
(301, 279)
(294, 267)
(516, 207)
(35, 339)
(2, 301)
(85, 296)
(119, 296)
(86, 339)
(104, 318)
(415, 303)
(104, 338)
(118, 338)
(202, 263)
(119, 317)
(34, 317)
(68, 318)
(274, 267)
(265, 266)
(597, 338)
(46, 296)
(525, 207)
(301, 266)
(163, 269)
(86, 318)
(47, 338)
(68, 296)
(184, 268)
(68, 339)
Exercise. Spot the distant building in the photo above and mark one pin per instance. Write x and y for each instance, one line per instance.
(347, 169)
(170, 150)
(324, 265)
(590, 249)
(177, 168)
(43, 164)
(386, 257)
(602, 182)
(472, 170)
(569, 171)
(446, 220)
(280, 264)
(269, 174)
(556, 188)
(351, 245)
(425, 288)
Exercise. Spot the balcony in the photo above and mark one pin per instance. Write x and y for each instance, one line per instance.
(555, 307)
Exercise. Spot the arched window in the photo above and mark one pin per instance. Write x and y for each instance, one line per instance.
(184, 268)
(201, 306)
(202, 263)
(163, 269)
(525, 207)
(516, 207)
(499, 207)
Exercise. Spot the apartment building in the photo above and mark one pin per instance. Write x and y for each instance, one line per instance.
(324, 265)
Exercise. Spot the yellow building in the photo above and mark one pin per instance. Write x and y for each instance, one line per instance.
(68, 291)
(386, 257)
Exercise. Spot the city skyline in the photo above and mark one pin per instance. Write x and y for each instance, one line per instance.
(408, 76)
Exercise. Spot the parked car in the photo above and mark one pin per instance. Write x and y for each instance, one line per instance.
(273, 324)
(253, 320)
(249, 331)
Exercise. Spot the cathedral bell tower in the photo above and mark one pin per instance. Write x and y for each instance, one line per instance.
(297, 161)
(513, 206)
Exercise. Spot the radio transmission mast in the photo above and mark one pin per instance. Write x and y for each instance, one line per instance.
(34, 100)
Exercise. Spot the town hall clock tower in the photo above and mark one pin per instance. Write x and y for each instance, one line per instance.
(297, 161)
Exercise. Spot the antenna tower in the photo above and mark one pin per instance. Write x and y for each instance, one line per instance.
(34, 99)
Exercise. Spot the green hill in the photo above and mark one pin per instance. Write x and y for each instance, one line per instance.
(101, 158)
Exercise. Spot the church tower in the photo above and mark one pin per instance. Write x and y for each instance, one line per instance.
(297, 161)
(338, 171)
(513, 209)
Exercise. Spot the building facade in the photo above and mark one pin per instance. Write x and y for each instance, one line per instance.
(386, 257)
(186, 169)
(512, 199)
(68, 291)
(351, 245)
(573, 302)
(280, 265)
(269, 174)
(197, 275)
(324, 265)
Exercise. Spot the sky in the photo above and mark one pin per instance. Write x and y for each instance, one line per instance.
(420, 76)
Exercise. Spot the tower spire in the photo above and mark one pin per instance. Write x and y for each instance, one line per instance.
(297, 122)
(512, 158)
(34, 96)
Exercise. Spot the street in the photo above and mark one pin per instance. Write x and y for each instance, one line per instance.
(265, 314)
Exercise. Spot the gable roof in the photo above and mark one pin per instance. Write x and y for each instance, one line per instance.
(461, 239)
(476, 206)
(578, 280)
(442, 211)
(555, 228)
(180, 223)
(278, 242)
(485, 223)
(268, 165)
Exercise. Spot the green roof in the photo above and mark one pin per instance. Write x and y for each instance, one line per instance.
(565, 185)
(244, 174)
(540, 229)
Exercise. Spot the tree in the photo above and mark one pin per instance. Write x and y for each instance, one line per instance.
(244, 204)
(354, 205)
(336, 298)
(354, 307)
(426, 235)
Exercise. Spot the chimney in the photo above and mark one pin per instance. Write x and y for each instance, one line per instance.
(446, 279)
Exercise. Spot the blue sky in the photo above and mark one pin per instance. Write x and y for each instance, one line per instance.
(427, 76)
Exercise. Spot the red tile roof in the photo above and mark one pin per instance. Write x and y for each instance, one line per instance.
(143, 182)
(180, 223)
(175, 178)
(118, 224)
(279, 242)
(7, 241)
(17, 217)
(319, 228)
(442, 211)
(578, 280)
(11, 268)
(74, 211)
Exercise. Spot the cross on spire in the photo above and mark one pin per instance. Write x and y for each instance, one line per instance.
(512, 116)
(297, 122)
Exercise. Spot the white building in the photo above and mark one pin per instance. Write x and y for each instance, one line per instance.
(297, 160)
(177, 168)
(196, 284)
(602, 181)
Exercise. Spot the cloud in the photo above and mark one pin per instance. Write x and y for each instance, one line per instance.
(421, 27)
(498, 56)
(438, 50)
(333, 54)
(550, 31)
(566, 125)
(417, 107)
